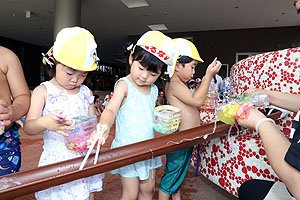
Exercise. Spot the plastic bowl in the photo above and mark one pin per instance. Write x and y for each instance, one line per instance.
(166, 119)
(84, 126)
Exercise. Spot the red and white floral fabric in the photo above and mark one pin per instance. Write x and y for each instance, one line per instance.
(278, 70)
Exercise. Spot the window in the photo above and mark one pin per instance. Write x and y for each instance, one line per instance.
(105, 69)
(224, 71)
(240, 56)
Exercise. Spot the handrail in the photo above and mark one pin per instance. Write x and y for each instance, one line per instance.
(30, 181)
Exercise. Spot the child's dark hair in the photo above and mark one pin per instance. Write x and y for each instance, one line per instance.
(149, 61)
(96, 96)
(184, 60)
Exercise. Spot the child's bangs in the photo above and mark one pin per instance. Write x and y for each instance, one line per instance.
(149, 61)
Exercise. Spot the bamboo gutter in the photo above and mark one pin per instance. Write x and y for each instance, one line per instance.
(22, 183)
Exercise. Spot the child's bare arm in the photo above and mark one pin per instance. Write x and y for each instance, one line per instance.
(201, 93)
(109, 114)
(113, 106)
(18, 87)
(196, 99)
(92, 110)
(35, 123)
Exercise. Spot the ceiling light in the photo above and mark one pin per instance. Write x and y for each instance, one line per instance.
(158, 27)
(135, 3)
(27, 14)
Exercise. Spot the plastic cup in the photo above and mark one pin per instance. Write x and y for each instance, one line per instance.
(84, 126)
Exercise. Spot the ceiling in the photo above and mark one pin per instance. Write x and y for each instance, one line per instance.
(111, 21)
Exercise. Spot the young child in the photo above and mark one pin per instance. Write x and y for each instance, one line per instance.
(192, 85)
(160, 99)
(198, 82)
(216, 83)
(98, 106)
(132, 104)
(179, 95)
(106, 100)
(14, 103)
(72, 56)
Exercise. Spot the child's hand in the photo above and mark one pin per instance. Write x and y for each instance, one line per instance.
(58, 115)
(92, 137)
(6, 113)
(58, 126)
(213, 68)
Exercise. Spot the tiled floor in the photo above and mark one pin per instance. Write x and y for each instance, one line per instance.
(194, 188)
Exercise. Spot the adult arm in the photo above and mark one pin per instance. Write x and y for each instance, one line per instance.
(276, 146)
(280, 99)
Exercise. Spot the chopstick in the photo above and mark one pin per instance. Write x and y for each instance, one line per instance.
(100, 130)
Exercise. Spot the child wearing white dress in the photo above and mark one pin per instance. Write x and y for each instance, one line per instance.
(71, 57)
(132, 105)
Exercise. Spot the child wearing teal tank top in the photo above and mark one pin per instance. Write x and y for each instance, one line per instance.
(133, 104)
(134, 123)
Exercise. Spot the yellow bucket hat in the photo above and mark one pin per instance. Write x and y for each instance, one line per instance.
(159, 45)
(75, 47)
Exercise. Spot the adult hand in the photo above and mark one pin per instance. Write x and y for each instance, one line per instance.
(253, 118)
(251, 91)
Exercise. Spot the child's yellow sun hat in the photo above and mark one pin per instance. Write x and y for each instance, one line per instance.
(75, 47)
(185, 47)
(159, 45)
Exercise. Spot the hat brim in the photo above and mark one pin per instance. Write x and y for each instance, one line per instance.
(198, 59)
